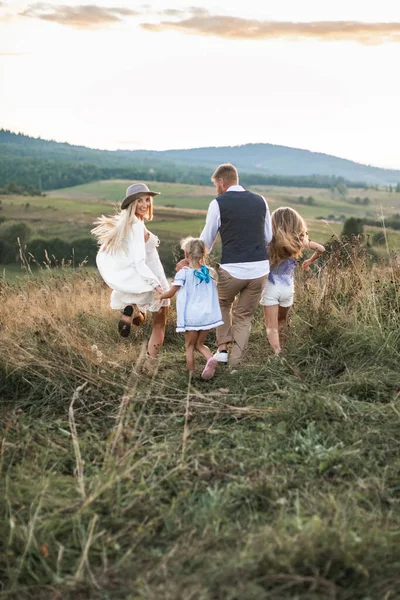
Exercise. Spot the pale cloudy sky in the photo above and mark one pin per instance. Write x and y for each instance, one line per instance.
(321, 75)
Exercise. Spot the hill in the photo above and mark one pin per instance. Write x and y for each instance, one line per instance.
(282, 160)
(43, 165)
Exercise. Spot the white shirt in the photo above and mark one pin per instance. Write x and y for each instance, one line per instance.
(247, 270)
(125, 270)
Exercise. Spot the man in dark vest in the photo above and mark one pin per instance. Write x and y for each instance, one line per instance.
(242, 218)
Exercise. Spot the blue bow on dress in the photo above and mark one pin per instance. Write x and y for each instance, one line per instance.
(203, 274)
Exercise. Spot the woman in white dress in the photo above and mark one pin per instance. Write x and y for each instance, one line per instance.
(128, 262)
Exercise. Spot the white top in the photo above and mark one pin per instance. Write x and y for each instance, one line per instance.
(247, 270)
(134, 272)
(197, 305)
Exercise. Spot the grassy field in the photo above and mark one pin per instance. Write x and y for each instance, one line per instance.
(199, 197)
(278, 482)
(180, 211)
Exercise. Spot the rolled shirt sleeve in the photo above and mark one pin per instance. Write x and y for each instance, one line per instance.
(268, 225)
(213, 223)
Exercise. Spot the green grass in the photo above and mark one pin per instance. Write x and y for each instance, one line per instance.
(72, 216)
(11, 272)
(180, 227)
(180, 211)
(176, 194)
(18, 275)
(280, 481)
(70, 212)
(199, 197)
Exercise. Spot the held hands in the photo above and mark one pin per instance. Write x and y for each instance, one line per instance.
(158, 291)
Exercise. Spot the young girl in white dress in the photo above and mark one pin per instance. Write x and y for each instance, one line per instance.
(197, 304)
(289, 239)
(128, 262)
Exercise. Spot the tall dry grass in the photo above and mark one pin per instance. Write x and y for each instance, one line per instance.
(280, 481)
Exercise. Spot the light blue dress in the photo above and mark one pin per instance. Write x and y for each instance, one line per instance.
(197, 304)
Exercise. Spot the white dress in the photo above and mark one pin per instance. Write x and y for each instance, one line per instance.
(155, 265)
(197, 304)
(134, 272)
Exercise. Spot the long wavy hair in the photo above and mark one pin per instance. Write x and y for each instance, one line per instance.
(112, 231)
(289, 235)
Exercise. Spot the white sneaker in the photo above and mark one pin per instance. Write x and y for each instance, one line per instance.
(221, 357)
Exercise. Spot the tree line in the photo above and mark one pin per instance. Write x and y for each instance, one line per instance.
(36, 175)
(18, 245)
(354, 226)
(39, 165)
(16, 240)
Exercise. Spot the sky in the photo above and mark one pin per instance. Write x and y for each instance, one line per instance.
(134, 75)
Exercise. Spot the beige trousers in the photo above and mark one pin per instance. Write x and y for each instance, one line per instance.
(237, 319)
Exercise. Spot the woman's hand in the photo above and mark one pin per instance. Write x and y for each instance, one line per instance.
(306, 265)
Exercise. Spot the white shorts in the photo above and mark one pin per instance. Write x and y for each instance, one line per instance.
(277, 293)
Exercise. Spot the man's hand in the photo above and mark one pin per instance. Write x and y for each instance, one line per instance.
(182, 263)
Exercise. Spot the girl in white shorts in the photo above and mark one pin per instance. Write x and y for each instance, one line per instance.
(289, 239)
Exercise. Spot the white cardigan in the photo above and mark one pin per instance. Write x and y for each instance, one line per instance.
(126, 270)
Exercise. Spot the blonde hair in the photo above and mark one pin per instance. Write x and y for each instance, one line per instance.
(227, 172)
(195, 248)
(112, 231)
(289, 235)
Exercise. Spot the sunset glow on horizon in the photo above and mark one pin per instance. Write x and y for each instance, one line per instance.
(122, 75)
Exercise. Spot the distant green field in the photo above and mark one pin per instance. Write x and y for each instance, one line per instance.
(171, 194)
(11, 272)
(199, 197)
(180, 209)
(319, 230)
(14, 273)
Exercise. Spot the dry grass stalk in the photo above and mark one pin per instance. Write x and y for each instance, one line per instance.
(79, 472)
(84, 560)
(30, 537)
(186, 430)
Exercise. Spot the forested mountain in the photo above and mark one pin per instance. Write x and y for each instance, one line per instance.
(282, 160)
(37, 164)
